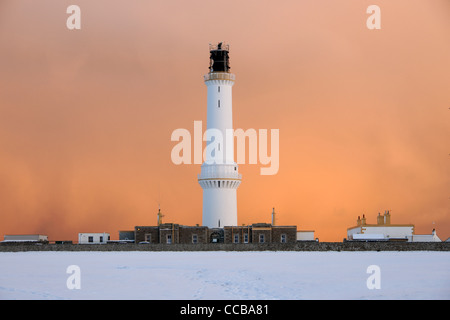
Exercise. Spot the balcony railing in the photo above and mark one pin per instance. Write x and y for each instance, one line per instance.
(220, 172)
(219, 76)
(219, 46)
(209, 176)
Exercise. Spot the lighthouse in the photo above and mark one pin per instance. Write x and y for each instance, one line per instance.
(219, 177)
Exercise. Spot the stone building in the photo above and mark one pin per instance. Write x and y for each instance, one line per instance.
(168, 233)
(260, 233)
(172, 233)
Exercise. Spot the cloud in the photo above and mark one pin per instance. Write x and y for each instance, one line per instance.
(86, 116)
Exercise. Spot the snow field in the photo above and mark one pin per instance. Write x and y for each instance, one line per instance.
(225, 275)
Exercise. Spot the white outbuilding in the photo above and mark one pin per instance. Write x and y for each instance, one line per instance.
(93, 238)
(425, 237)
(384, 230)
(25, 238)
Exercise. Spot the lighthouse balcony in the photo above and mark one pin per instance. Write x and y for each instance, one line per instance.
(219, 76)
(219, 171)
(211, 176)
(219, 183)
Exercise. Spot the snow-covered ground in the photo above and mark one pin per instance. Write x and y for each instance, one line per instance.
(224, 275)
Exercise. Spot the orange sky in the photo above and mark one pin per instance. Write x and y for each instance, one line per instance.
(86, 116)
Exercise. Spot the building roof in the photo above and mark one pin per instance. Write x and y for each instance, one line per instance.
(382, 221)
(23, 234)
(381, 225)
(79, 233)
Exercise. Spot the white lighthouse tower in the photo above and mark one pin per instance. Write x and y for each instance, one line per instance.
(219, 176)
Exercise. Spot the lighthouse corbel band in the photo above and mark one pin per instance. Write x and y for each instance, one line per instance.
(219, 177)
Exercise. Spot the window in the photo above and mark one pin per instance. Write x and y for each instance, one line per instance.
(261, 238)
(148, 237)
(194, 238)
(218, 103)
(245, 237)
(169, 239)
(236, 238)
(90, 239)
(283, 238)
(218, 89)
(101, 238)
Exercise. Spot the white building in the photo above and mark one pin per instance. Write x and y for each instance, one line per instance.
(93, 238)
(384, 230)
(425, 237)
(219, 177)
(25, 238)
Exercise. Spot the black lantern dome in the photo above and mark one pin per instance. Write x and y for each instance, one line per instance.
(219, 59)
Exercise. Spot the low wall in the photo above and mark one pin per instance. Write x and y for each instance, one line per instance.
(298, 246)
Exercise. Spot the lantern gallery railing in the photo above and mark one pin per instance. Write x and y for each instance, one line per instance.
(219, 76)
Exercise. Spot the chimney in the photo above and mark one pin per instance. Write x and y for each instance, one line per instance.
(358, 222)
(387, 217)
(380, 219)
(363, 220)
(160, 216)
